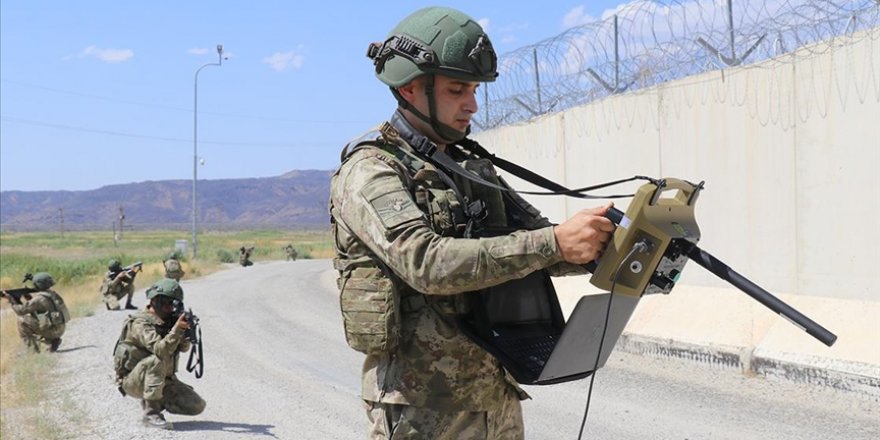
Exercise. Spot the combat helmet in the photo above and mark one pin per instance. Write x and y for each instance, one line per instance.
(43, 281)
(114, 266)
(430, 41)
(166, 287)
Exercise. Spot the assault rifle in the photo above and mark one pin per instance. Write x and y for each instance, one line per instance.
(196, 361)
(133, 269)
(130, 271)
(14, 295)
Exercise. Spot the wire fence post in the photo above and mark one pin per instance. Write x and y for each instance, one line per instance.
(537, 78)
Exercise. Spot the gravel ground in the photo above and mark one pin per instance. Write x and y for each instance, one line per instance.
(276, 366)
(260, 355)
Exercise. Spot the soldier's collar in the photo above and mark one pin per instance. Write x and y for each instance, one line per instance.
(398, 128)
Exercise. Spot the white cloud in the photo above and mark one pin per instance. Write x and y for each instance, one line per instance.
(484, 23)
(198, 51)
(105, 55)
(576, 17)
(281, 61)
(508, 34)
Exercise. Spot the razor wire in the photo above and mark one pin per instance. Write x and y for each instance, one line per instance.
(646, 43)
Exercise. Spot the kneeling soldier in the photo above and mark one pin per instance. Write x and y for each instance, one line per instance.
(146, 356)
(118, 283)
(42, 318)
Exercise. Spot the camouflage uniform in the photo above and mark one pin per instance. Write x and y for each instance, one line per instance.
(153, 377)
(291, 252)
(244, 256)
(36, 322)
(114, 288)
(173, 269)
(385, 212)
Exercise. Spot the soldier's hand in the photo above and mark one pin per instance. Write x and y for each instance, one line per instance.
(182, 323)
(582, 238)
(122, 275)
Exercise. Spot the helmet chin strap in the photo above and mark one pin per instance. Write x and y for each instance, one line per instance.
(448, 134)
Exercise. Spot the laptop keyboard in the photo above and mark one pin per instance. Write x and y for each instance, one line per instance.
(530, 352)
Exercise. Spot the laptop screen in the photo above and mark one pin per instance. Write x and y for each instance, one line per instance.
(525, 300)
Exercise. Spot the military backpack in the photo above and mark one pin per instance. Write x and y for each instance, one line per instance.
(59, 315)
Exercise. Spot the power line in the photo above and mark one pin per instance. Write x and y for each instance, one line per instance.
(156, 138)
(180, 109)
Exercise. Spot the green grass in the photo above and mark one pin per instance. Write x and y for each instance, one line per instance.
(78, 262)
(82, 255)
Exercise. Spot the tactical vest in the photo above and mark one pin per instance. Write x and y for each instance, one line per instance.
(125, 354)
(58, 316)
(371, 299)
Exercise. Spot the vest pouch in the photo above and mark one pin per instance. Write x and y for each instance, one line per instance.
(126, 356)
(495, 211)
(370, 310)
(44, 321)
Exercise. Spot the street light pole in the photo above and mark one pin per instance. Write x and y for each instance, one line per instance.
(196, 146)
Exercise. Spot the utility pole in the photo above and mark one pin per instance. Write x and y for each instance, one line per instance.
(61, 216)
(196, 146)
(121, 221)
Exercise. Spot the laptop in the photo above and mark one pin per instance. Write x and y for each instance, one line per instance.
(521, 324)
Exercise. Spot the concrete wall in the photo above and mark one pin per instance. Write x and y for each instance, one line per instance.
(789, 150)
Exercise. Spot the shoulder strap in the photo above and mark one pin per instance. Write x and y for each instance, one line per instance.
(523, 173)
(50, 297)
(370, 138)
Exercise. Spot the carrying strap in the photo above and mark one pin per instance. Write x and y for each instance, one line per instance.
(445, 162)
(539, 180)
(387, 138)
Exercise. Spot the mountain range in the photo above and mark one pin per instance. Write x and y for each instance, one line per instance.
(294, 200)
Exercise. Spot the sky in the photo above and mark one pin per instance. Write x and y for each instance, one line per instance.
(96, 93)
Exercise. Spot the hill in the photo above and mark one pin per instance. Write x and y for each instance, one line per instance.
(297, 199)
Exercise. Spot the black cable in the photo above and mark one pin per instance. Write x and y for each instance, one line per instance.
(639, 247)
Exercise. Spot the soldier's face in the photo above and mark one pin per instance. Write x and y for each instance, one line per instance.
(455, 101)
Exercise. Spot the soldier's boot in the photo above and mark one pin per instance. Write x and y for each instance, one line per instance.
(32, 344)
(129, 306)
(153, 417)
(54, 344)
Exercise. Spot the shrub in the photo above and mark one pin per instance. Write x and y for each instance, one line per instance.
(225, 256)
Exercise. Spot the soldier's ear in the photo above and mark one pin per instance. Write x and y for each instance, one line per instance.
(409, 90)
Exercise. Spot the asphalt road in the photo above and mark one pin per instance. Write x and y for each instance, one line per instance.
(276, 366)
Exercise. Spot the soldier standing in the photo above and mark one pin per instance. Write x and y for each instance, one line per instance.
(146, 356)
(118, 283)
(42, 318)
(405, 235)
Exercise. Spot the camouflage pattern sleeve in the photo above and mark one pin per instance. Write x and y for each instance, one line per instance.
(105, 286)
(146, 335)
(539, 221)
(184, 346)
(372, 202)
(37, 304)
